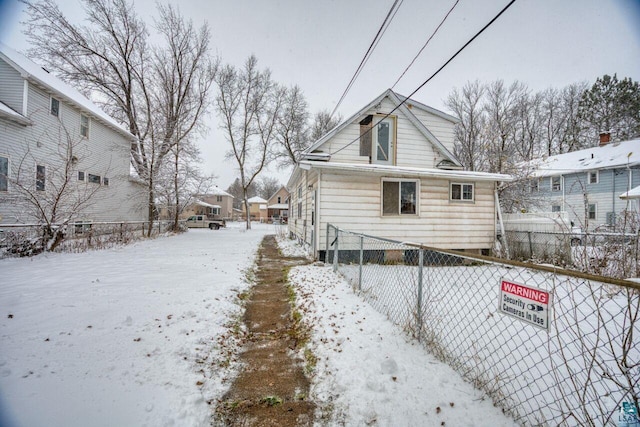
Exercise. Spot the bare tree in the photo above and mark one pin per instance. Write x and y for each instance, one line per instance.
(467, 106)
(159, 93)
(291, 128)
(268, 187)
(249, 105)
(323, 123)
(53, 196)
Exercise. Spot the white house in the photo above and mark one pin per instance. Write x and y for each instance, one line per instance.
(52, 136)
(588, 184)
(389, 171)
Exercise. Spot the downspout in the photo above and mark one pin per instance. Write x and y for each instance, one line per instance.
(563, 191)
(499, 211)
(318, 208)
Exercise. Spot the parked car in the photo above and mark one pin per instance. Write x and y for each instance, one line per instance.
(202, 221)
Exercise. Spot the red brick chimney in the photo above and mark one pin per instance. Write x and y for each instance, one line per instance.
(605, 137)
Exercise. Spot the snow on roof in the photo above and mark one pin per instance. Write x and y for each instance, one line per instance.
(206, 205)
(613, 155)
(279, 206)
(634, 193)
(256, 199)
(8, 112)
(37, 74)
(217, 191)
(405, 171)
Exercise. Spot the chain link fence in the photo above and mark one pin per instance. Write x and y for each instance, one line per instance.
(27, 239)
(550, 346)
(606, 254)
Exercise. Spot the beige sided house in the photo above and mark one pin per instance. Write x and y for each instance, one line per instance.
(216, 204)
(389, 171)
(278, 205)
(257, 209)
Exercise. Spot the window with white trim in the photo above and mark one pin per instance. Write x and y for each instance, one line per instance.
(534, 185)
(105, 181)
(555, 208)
(41, 175)
(94, 179)
(81, 176)
(556, 183)
(461, 192)
(592, 211)
(399, 197)
(54, 108)
(4, 173)
(593, 177)
(84, 125)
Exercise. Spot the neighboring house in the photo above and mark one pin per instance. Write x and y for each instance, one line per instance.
(52, 136)
(257, 209)
(394, 177)
(587, 184)
(278, 205)
(216, 204)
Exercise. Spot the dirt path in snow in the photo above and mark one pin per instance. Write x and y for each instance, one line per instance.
(271, 389)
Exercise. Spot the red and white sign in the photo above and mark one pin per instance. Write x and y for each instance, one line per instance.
(528, 304)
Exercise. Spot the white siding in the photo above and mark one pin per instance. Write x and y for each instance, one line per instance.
(11, 87)
(442, 129)
(104, 153)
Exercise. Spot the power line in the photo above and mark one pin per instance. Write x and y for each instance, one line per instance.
(433, 75)
(426, 43)
(383, 28)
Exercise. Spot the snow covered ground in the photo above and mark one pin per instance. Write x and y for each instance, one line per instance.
(132, 336)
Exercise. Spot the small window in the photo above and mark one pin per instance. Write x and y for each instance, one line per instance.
(55, 107)
(555, 208)
(4, 174)
(94, 179)
(40, 177)
(300, 192)
(218, 198)
(593, 177)
(299, 209)
(105, 181)
(399, 198)
(462, 192)
(592, 211)
(555, 183)
(279, 200)
(534, 185)
(82, 227)
(84, 126)
(81, 176)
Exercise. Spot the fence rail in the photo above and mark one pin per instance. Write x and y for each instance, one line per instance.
(572, 360)
(25, 239)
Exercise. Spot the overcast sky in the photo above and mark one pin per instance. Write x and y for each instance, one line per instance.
(319, 44)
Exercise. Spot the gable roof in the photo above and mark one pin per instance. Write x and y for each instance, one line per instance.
(613, 155)
(217, 191)
(400, 104)
(8, 113)
(278, 190)
(41, 77)
(256, 199)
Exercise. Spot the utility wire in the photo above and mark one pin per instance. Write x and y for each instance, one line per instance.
(432, 76)
(383, 28)
(426, 43)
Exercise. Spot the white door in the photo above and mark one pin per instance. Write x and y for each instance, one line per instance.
(383, 136)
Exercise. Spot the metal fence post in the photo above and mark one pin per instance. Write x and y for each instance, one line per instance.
(326, 250)
(361, 259)
(530, 244)
(335, 252)
(419, 299)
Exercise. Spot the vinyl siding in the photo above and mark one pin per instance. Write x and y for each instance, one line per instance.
(11, 87)
(104, 153)
(353, 202)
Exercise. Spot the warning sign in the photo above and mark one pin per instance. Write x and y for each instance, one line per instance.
(528, 304)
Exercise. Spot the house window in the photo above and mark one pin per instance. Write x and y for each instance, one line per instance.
(94, 179)
(84, 126)
(40, 177)
(555, 183)
(218, 198)
(105, 181)
(384, 140)
(534, 185)
(82, 227)
(461, 192)
(55, 107)
(591, 214)
(555, 208)
(279, 200)
(399, 197)
(366, 137)
(593, 177)
(4, 174)
(300, 209)
(81, 176)
(300, 192)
